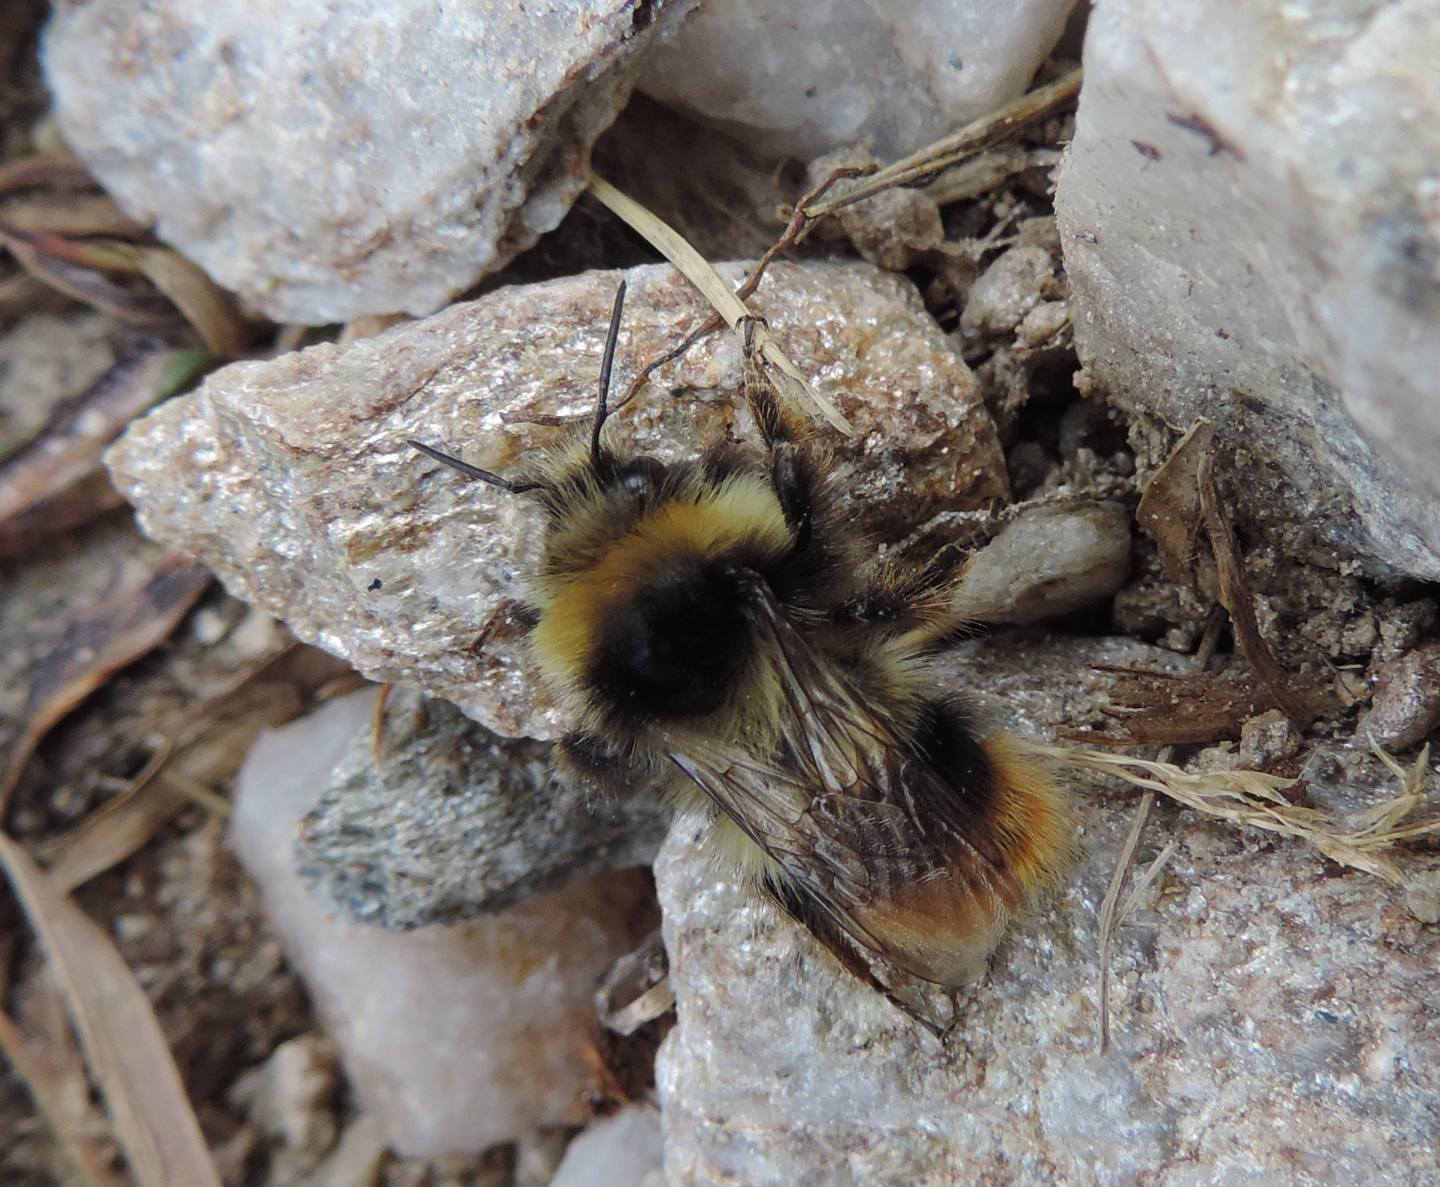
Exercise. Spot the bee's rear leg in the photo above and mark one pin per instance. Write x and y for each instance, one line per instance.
(913, 600)
(585, 760)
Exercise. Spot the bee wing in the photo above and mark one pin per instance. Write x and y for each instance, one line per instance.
(857, 820)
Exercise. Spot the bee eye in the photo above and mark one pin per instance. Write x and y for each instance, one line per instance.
(640, 475)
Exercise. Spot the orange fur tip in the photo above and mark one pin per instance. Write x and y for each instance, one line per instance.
(1031, 815)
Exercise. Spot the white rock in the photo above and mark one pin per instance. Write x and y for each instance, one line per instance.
(1251, 219)
(332, 158)
(616, 1152)
(897, 76)
(453, 1038)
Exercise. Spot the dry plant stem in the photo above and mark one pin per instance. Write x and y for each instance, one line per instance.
(1236, 599)
(975, 137)
(47, 1092)
(197, 793)
(675, 248)
(820, 201)
(1253, 798)
(797, 228)
(1142, 883)
(1109, 909)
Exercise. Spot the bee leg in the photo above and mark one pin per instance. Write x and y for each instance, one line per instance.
(584, 759)
(900, 599)
(509, 621)
(956, 1014)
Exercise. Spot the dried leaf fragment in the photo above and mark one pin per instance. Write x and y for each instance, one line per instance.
(70, 444)
(122, 627)
(1235, 596)
(1175, 709)
(126, 1052)
(1170, 510)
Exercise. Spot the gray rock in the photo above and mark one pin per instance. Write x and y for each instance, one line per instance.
(1008, 290)
(896, 77)
(335, 158)
(1252, 233)
(1050, 560)
(1267, 738)
(455, 822)
(1271, 1022)
(292, 478)
(1406, 707)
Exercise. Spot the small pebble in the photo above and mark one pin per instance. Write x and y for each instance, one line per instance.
(1406, 705)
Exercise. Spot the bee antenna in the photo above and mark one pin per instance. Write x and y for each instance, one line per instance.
(515, 488)
(602, 408)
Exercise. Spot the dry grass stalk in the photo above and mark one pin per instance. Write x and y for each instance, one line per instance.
(986, 132)
(1254, 799)
(696, 269)
(1110, 912)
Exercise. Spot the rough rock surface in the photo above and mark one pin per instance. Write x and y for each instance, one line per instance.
(328, 159)
(1252, 233)
(292, 478)
(455, 822)
(1406, 708)
(454, 1038)
(896, 76)
(1272, 1022)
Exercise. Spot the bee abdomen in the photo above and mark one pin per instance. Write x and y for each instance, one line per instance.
(1000, 829)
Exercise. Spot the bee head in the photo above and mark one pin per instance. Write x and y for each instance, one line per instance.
(643, 605)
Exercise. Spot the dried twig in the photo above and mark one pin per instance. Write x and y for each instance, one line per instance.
(975, 137)
(1109, 914)
(675, 248)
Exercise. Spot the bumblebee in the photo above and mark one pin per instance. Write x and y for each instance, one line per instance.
(720, 619)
